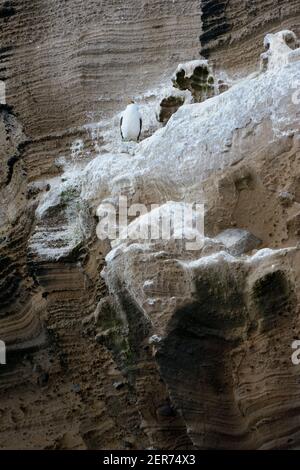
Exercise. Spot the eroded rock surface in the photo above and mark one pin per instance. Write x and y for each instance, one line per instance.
(221, 330)
(219, 323)
(67, 67)
(232, 32)
(154, 346)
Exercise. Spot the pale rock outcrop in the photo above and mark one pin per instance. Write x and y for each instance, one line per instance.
(278, 50)
(220, 328)
(238, 241)
(197, 77)
(219, 323)
(198, 140)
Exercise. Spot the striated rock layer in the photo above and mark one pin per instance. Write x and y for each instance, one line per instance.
(219, 322)
(70, 64)
(67, 65)
(221, 330)
(232, 31)
(136, 343)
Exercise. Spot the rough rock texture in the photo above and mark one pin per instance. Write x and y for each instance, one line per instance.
(221, 330)
(134, 344)
(66, 66)
(238, 241)
(196, 77)
(232, 31)
(70, 64)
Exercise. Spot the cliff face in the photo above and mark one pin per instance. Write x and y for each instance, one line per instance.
(66, 66)
(233, 31)
(138, 344)
(70, 64)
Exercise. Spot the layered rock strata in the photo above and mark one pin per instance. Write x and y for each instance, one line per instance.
(155, 346)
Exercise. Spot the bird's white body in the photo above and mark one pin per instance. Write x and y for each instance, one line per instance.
(131, 123)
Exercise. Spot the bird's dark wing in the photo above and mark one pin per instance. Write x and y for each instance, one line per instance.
(121, 120)
(141, 125)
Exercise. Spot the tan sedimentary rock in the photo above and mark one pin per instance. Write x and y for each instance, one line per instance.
(221, 334)
(69, 65)
(169, 350)
(232, 31)
(66, 66)
(220, 323)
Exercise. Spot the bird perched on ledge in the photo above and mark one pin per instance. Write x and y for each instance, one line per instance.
(131, 123)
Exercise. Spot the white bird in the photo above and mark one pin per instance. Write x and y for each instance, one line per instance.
(131, 123)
